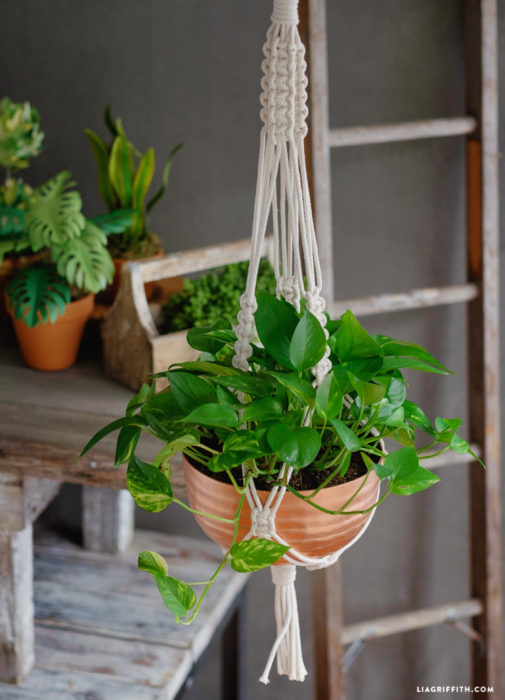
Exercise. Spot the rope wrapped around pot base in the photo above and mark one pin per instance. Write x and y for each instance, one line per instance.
(282, 192)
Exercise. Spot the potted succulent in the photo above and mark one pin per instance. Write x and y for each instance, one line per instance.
(20, 140)
(124, 178)
(232, 426)
(51, 299)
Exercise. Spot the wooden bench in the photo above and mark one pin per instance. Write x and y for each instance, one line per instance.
(90, 624)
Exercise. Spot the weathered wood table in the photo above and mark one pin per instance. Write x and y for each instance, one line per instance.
(90, 622)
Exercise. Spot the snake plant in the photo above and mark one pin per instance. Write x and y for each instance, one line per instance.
(124, 178)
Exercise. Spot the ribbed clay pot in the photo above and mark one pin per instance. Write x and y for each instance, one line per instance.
(307, 529)
(54, 346)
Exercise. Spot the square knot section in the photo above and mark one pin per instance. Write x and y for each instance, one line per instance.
(263, 523)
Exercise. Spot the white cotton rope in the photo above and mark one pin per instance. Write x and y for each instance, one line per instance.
(282, 194)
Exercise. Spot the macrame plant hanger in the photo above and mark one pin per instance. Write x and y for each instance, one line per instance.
(282, 192)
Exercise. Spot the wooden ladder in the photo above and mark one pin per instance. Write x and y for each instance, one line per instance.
(481, 293)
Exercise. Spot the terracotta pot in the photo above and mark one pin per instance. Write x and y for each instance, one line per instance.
(113, 288)
(308, 530)
(54, 346)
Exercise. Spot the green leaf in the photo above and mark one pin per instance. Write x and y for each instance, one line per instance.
(328, 397)
(109, 121)
(364, 369)
(149, 486)
(349, 439)
(213, 414)
(161, 413)
(145, 393)
(101, 153)
(208, 368)
(153, 563)
(178, 596)
(177, 444)
(413, 482)
(86, 263)
(110, 428)
(12, 220)
(121, 170)
(190, 391)
(166, 174)
(276, 321)
(262, 410)
(203, 340)
(353, 342)
(126, 443)
(142, 180)
(401, 348)
(38, 294)
(253, 386)
(368, 392)
(251, 555)
(392, 363)
(54, 213)
(297, 446)
(299, 387)
(396, 392)
(398, 464)
(308, 343)
(416, 416)
(117, 221)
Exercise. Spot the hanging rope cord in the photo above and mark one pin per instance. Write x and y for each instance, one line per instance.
(282, 192)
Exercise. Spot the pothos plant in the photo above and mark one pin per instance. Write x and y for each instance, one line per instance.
(124, 178)
(237, 425)
(73, 257)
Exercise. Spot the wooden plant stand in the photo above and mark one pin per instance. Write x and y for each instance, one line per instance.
(133, 347)
(90, 624)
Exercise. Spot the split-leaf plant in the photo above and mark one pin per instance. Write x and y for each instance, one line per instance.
(248, 424)
(73, 259)
(124, 178)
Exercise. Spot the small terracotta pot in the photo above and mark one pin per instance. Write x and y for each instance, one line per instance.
(54, 346)
(113, 288)
(307, 529)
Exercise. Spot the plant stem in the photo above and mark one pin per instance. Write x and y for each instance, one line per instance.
(201, 512)
(221, 566)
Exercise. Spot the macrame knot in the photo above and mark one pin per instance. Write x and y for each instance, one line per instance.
(284, 84)
(289, 288)
(285, 11)
(322, 368)
(262, 523)
(316, 305)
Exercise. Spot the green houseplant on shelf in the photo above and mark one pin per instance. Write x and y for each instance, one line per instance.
(214, 296)
(234, 426)
(21, 139)
(50, 299)
(124, 178)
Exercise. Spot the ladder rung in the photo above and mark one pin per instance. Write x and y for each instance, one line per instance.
(412, 620)
(404, 131)
(450, 458)
(414, 299)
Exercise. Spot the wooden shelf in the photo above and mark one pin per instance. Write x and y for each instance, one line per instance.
(102, 630)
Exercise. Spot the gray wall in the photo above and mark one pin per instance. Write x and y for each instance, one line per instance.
(189, 70)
